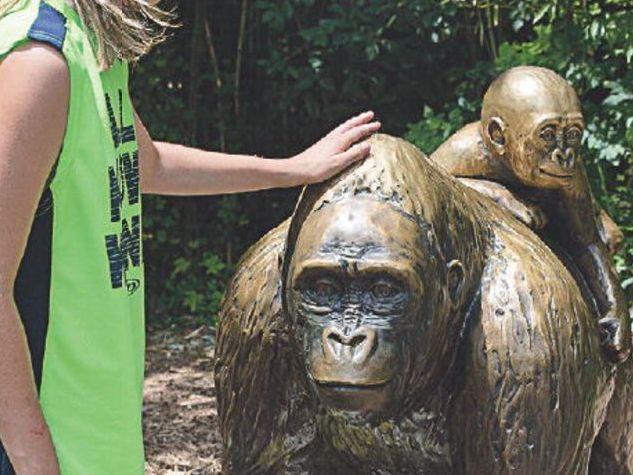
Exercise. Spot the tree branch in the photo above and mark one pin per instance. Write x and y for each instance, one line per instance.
(218, 82)
(238, 58)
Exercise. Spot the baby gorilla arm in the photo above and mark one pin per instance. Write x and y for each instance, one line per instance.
(575, 223)
(528, 213)
(591, 237)
(610, 233)
(465, 156)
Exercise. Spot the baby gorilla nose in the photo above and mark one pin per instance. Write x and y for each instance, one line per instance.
(558, 157)
(355, 347)
(564, 159)
(570, 157)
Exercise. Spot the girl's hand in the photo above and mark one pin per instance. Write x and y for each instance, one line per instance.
(336, 151)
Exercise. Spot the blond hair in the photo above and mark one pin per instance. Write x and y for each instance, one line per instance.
(124, 29)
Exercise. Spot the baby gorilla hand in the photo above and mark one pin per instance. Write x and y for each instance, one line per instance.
(527, 213)
(614, 339)
(337, 150)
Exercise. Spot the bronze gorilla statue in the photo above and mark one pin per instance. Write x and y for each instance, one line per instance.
(525, 152)
(401, 323)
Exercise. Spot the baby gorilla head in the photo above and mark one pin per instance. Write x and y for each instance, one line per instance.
(532, 119)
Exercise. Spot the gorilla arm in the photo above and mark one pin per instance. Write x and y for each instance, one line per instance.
(533, 216)
(612, 452)
(612, 235)
(531, 349)
(254, 373)
(575, 223)
(529, 214)
(465, 156)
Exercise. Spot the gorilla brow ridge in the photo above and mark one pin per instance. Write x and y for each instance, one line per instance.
(383, 177)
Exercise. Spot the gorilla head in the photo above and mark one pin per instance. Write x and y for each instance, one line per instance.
(375, 294)
(531, 119)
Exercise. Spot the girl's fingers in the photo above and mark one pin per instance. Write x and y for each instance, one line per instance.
(340, 162)
(353, 154)
(360, 132)
(354, 121)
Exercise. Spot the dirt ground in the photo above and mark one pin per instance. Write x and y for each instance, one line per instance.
(180, 414)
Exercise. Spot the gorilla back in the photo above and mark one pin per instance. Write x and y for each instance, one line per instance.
(399, 323)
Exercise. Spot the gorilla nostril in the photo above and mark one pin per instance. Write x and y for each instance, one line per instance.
(336, 337)
(558, 157)
(357, 340)
(570, 157)
(333, 341)
(366, 342)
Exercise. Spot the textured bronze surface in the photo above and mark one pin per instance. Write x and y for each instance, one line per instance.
(400, 323)
(525, 155)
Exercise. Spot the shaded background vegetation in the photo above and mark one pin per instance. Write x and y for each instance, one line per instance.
(269, 77)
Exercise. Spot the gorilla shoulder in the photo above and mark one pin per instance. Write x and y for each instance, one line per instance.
(465, 155)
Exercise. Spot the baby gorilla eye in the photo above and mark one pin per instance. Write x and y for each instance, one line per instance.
(574, 134)
(548, 134)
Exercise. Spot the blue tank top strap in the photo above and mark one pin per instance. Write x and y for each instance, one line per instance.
(49, 27)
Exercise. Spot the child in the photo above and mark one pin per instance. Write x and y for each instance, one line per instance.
(71, 267)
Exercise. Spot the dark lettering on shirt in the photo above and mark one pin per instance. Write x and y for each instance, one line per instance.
(124, 248)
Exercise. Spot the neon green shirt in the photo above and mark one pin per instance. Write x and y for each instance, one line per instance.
(80, 285)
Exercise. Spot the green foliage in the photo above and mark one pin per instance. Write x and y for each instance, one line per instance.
(436, 127)
(270, 77)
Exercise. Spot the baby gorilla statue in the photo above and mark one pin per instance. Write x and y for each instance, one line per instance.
(525, 155)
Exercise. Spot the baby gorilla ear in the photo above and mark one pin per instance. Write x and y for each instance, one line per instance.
(495, 129)
(455, 278)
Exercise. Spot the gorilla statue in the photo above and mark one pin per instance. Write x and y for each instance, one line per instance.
(525, 153)
(402, 323)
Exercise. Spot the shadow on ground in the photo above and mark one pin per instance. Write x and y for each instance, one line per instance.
(180, 413)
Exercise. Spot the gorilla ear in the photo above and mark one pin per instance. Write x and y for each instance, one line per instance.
(280, 263)
(495, 129)
(455, 278)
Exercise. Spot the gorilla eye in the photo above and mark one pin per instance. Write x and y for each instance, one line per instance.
(384, 290)
(325, 288)
(574, 135)
(548, 134)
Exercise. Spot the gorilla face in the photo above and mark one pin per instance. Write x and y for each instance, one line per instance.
(547, 149)
(532, 118)
(358, 285)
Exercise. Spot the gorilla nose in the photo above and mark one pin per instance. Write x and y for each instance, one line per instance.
(564, 159)
(558, 157)
(570, 157)
(355, 347)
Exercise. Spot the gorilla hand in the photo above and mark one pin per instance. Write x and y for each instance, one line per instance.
(613, 339)
(529, 214)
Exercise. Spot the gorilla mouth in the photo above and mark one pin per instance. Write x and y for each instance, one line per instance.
(355, 397)
(556, 175)
(346, 386)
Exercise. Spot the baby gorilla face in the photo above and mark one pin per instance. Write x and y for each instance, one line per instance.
(355, 299)
(547, 149)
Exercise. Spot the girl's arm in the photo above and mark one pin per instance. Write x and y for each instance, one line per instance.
(34, 85)
(177, 170)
